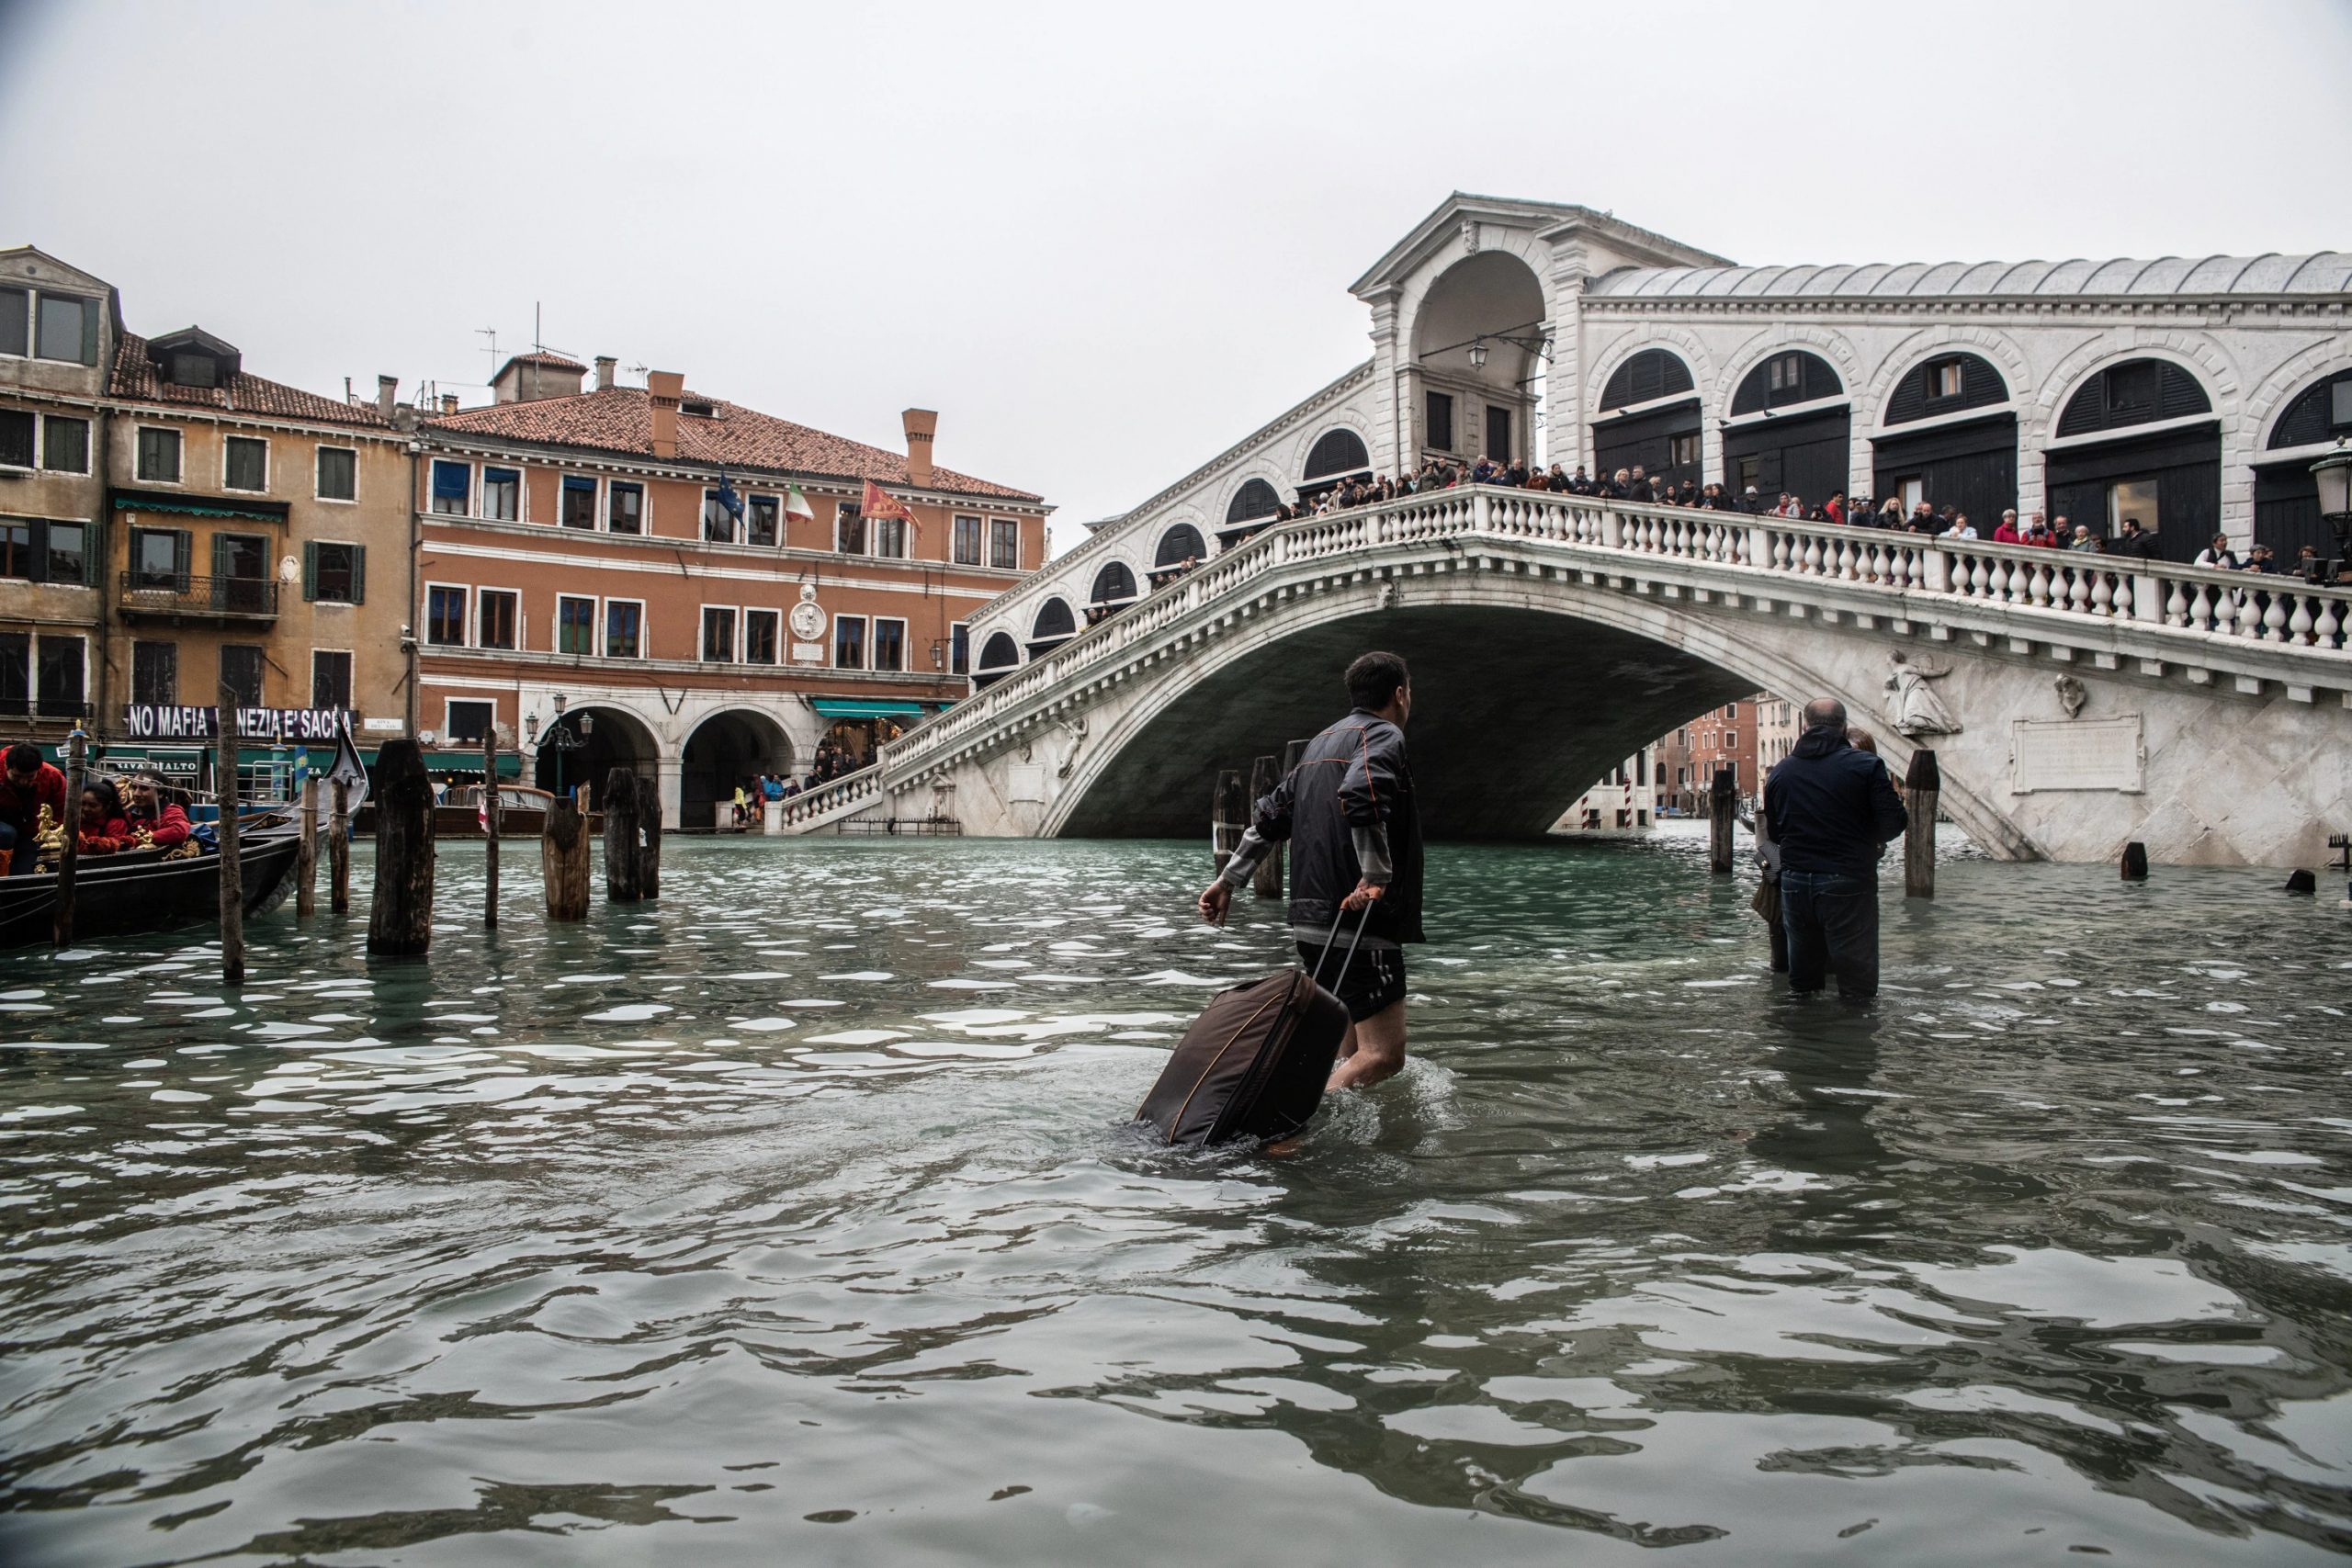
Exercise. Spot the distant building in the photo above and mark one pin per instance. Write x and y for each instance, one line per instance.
(173, 524)
(1778, 724)
(655, 578)
(1724, 737)
(1623, 803)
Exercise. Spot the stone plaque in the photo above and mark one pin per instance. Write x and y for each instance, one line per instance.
(1024, 783)
(2085, 753)
(808, 653)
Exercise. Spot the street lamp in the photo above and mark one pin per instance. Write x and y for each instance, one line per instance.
(1478, 355)
(2332, 476)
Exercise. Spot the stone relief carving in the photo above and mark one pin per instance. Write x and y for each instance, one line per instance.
(1916, 710)
(1470, 235)
(2072, 694)
(1077, 728)
(1389, 594)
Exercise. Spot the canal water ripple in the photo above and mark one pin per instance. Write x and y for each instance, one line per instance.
(792, 1219)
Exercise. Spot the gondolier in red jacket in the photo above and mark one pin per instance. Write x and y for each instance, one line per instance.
(1355, 841)
(26, 783)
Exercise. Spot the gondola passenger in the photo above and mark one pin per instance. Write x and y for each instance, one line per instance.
(153, 809)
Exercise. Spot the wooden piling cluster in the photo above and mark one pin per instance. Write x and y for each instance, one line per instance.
(305, 855)
(564, 862)
(624, 841)
(493, 810)
(1723, 816)
(1229, 818)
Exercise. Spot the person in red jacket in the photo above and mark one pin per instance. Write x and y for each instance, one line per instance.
(2007, 533)
(103, 830)
(26, 783)
(165, 821)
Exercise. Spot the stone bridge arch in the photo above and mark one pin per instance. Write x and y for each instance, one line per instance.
(1525, 693)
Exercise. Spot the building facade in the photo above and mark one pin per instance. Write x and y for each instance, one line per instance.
(175, 524)
(649, 577)
(1691, 754)
(1622, 805)
(2193, 393)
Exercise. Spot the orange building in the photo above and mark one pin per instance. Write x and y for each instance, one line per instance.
(653, 578)
(1721, 737)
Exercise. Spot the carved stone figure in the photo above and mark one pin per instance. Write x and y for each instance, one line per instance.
(2071, 696)
(1917, 710)
(1077, 728)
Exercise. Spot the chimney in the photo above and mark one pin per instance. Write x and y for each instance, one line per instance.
(388, 394)
(662, 388)
(449, 403)
(921, 425)
(605, 366)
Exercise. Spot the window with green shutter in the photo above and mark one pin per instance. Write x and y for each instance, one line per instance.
(335, 573)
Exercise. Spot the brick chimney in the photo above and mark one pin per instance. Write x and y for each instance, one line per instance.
(605, 366)
(921, 425)
(663, 387)
(388, 395)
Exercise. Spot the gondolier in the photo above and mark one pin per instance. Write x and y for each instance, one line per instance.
(1349, 813)
(26, 783)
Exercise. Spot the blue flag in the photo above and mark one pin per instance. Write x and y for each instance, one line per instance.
(728, 499)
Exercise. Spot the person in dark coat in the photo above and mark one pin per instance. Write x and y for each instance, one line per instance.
(1832, 810)
(1355, 838)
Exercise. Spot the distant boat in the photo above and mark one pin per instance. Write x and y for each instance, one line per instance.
(140, 891)
(522, 813)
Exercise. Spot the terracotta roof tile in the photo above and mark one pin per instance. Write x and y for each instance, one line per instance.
(620, 420)
(134, 377)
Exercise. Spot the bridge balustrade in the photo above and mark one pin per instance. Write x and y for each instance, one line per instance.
(2223, 605)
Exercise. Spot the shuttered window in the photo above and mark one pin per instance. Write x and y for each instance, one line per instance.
(2138, 392)
(1652, 373)
(1337, 452)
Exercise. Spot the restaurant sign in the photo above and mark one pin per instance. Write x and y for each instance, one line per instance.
(147, 721)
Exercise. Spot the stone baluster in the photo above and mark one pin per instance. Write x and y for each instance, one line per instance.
(2273, 619)
(2330, 624)
(2299, 624)
(2176, 607)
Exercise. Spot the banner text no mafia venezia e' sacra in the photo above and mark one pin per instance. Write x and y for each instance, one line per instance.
(151, 722)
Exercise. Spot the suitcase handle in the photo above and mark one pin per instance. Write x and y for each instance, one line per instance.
(1362, 921)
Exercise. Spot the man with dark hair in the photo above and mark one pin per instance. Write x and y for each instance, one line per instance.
(27, 785)
(1355, 841)
(1831, 809)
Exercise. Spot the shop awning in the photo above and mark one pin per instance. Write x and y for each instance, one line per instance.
(866, 708)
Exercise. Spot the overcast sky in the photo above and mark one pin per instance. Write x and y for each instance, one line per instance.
(1103, 241)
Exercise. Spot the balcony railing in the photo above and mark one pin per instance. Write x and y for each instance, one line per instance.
(44, 708)
(151, 595)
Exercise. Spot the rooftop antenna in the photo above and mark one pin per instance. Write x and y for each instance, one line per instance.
(491, 347)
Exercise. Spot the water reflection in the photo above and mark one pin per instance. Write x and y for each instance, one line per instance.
(794, 1214)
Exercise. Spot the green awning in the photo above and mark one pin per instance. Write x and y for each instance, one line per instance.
(862, 707)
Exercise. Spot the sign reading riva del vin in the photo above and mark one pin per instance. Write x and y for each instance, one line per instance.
(149, 721)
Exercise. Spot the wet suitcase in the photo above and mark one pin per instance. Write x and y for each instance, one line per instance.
(1253, 1063)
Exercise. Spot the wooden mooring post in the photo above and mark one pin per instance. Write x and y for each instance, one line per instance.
(1723, 815)
(491, 806)
(1921, 784)
(339, 848)
(77, 768)
(306, 853)
(226, 741)
(564, 862)
(1266, 882)
(624, 857)
(400, 920)
(1229, 815)
(649, 863)
(2135, 862)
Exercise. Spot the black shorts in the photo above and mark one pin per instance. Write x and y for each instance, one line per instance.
(1374, 981)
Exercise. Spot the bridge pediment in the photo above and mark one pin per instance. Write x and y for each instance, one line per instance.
(1464, 224)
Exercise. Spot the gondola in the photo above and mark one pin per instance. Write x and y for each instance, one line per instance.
(140, 891)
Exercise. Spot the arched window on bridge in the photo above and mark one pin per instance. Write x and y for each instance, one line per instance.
(1805, 455)
(1335, 454)
(1181, 544)
(1971, 463)
(1649, 375)
(1659, 438)
(1114, 585)
(1250, 510)
(1000, 656)
(1257, 498)
(2286, 496)
(1054, 627)
(2099, 473)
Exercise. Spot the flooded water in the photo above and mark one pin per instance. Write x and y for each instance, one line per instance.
(791, 1220)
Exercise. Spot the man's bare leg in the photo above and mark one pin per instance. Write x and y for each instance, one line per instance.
(1373, 1050)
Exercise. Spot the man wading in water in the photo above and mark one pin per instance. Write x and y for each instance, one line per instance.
(1355, 840)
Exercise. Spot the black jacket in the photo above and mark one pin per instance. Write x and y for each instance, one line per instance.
(1352, 775)
(1831, 807)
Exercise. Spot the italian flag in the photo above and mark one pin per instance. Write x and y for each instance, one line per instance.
(796, 505)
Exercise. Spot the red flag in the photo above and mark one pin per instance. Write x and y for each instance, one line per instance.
(878, 504)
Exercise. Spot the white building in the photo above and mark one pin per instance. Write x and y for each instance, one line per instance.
(2191, 392)
(1622, 805)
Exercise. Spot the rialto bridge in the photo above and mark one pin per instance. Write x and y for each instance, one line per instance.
(2074, 701)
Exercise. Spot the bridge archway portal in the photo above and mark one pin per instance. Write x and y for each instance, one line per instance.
(1478, 362)
(587, 743)
(725, 750)
(1516, 712)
